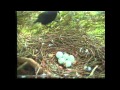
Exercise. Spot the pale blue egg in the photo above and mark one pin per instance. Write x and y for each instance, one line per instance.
(66, 56)
(61, 60)
(71, 58)
(68, 63)
(87, 68)
(59, 54)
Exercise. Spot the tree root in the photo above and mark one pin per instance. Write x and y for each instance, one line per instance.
(31, 62)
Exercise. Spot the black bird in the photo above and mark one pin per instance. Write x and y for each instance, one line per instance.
(46, 17)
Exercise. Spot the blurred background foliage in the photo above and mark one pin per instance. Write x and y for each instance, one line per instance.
(90, 22)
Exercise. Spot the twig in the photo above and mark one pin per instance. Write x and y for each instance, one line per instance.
(88, 60)
(37, 72)
(20, 67)
(93, 70)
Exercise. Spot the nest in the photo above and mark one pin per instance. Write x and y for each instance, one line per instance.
(36, 56)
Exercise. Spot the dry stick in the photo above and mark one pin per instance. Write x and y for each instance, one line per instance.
(41, 51)
(20, 67)
(37, 72)
(93, 70)
(88, 60)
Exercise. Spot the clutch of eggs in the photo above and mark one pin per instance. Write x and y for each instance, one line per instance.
(65, 59)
